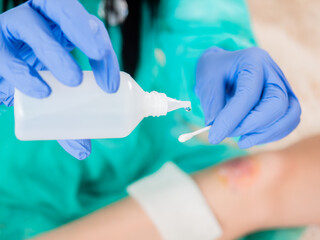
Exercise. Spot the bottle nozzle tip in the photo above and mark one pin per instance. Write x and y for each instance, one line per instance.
(174, 104)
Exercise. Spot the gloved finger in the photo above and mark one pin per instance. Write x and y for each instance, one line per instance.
(107, 72)
(45, 47)
(89, 34)
(83, 29)
(278, 130)
(247, 94)
(20, 75)
(6, 93)
(80, 149)
(60, 36)
(279, 72)
(273, 106)
(212, 99)
(27, 55)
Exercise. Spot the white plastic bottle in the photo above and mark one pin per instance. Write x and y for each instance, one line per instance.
(86, 111)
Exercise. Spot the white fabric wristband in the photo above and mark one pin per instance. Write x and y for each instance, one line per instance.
(175, 205)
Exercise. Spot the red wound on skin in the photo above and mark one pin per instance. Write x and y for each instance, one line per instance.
(238, 173)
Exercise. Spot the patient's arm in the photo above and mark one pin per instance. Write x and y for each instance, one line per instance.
(268, 190)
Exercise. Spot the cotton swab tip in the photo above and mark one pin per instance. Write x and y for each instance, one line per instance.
(185, 137)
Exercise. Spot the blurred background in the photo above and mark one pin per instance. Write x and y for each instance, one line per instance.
(289, 31)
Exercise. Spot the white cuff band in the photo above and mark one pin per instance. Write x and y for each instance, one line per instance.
(175, 205)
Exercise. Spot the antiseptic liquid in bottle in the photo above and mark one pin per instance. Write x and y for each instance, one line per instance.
(86, 111)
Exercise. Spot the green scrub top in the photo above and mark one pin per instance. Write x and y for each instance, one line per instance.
(42, 187)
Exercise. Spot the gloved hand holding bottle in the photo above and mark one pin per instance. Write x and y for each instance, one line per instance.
(39, 35)
(244, 93)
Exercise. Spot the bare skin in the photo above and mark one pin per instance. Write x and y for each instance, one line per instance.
(268, 190)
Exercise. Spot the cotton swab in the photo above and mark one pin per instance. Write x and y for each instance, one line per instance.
(187, 136)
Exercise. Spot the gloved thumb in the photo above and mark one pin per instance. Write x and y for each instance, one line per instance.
(210, 89)
(80, 149)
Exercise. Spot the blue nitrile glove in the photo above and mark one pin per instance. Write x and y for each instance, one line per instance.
(244, 93)
(39, 35)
